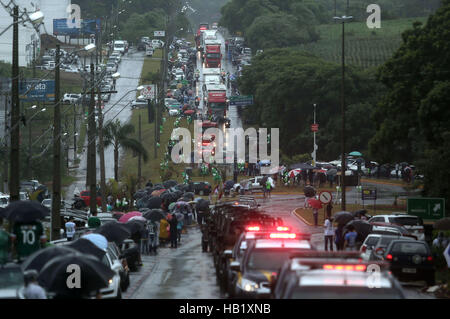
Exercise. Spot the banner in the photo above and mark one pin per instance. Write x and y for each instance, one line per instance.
(88, 26)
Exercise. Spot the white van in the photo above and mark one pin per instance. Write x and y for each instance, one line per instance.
(119, 46)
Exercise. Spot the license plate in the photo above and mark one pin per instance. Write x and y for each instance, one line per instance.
(409, 270)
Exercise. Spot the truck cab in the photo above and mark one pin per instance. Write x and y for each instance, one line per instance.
(216, 99)
(213, 55)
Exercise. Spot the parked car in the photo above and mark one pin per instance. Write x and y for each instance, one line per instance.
(412, 223)
(113, 290)
(71, 98)
(139, 103)
(411, 260)
(375, 245)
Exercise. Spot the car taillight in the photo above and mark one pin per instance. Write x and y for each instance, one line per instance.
(430, 258)
(363, 249)
(389, 257)
(282, 236)
(253, 228)
(282, 228)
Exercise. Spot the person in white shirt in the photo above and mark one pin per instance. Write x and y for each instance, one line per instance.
(70, 229)
(328, 232)
(32, 288)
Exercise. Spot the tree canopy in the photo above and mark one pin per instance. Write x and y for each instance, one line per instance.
(413, 119)
(287, 82)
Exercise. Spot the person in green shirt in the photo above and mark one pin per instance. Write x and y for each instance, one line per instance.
(268, 188)
(28, 238)
(5, 244)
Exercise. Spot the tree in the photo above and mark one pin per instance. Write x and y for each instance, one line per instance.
(117, 135)
(413, 120)
(287, 82)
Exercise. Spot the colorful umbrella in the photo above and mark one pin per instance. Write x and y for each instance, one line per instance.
(315, 203)
(294, 172)
(189, 112)
(129, 215)
(142, 219)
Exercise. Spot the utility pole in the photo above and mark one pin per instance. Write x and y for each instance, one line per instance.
(5, 165)
(314, 146)
(56, 198)
(102, 153)
(14, 180)
(75, 133)
(92, 171)
(140, 156)
(34, 59)
(343, 159)
(29, 147)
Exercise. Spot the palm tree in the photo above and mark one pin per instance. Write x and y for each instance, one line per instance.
(117, 135)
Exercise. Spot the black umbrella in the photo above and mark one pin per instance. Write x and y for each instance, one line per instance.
(229, 184)
(309, 191)
(343, 217)
(134, 226)
(139, 194)
(142, 202)
(95, 275)
(361, 212)
(38, 259)
(85, 246)
(189, 195)
(114, 232)
(154, 202)
(25, 211)
(170, 183)
(202, 205)
(155, 215)
(331, 172)
(362, 227)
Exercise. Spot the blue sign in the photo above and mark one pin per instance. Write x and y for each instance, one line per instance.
(41, 91)
(88, 26)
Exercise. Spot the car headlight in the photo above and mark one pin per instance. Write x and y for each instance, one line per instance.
(249, 285)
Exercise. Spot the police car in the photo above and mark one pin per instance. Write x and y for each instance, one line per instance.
(335, 276)
(262, 259)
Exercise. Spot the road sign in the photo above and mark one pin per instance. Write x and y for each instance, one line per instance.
(314, 127)
(149, 91)
(42, 91)
(325, 197)
(241, 100)
(369, 193)
(426, 208)
(159, 33)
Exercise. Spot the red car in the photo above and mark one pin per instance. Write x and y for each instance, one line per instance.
(85, 195)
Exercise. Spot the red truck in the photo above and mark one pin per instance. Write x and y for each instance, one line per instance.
(85, 195)
(213, 57)
(202, 27)
(216, 99)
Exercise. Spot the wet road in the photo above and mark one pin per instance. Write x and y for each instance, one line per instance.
(130, 71)
(188, 273)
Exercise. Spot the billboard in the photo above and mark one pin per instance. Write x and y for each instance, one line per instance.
(41, 91)
(88, 26)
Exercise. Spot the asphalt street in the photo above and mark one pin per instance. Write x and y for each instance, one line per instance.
(130, 70)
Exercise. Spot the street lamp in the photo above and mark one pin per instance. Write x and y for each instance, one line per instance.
(343, 19)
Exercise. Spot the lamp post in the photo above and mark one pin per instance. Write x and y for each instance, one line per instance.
(29, 171)
(343, 161)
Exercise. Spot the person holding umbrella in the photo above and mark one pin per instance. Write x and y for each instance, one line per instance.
(173, 231)
(350, 239)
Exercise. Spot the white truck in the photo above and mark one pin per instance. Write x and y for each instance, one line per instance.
(211, 76)
(119, 45)
(207, 35)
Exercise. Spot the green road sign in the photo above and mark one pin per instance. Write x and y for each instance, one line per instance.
(427, 208)
(240, 100)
